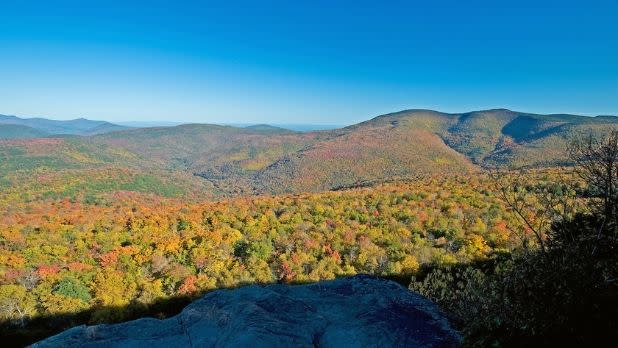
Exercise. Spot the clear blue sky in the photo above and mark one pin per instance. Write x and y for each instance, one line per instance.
(321, 62)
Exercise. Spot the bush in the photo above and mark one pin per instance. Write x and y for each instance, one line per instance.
(73, 288)
(563, 297)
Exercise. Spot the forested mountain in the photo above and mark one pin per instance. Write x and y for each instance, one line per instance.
(223, 161)
(500, 136)
(80, 126)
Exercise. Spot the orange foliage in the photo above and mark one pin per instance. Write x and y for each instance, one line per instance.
(48, 270)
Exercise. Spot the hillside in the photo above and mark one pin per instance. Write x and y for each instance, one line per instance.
(353, 156)
(80, 126)
(211, 161)
(500, 137)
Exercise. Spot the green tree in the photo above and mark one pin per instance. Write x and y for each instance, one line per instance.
(73, 288)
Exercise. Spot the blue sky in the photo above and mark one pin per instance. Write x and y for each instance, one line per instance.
(320, 62)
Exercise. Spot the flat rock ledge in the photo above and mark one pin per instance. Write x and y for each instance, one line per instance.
(360, 311)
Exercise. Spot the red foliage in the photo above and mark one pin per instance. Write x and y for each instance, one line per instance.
(48, 270)
(109, 258)
(188, 286)
(311, 244)
(286, 273)
(336, 256)
(78, 266)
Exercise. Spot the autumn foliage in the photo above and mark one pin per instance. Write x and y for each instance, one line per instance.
(62, 256)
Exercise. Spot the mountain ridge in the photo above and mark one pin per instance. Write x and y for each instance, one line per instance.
(227, 161)
(462, 130)
(78, 126)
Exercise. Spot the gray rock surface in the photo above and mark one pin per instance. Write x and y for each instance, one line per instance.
(360, 311)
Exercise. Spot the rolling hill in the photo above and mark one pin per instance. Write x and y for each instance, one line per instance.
(15, 131)
(211, 161)
(80, 126)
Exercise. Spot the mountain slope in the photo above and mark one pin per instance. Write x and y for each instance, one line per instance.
(222, 161)
(501, 137)
(363, 154)
(256, 160)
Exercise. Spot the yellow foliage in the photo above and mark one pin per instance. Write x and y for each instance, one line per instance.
(112, 288)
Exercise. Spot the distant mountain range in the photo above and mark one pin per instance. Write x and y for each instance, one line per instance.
(223, 161)
(299, 127)
(13, 127)
(39, 127)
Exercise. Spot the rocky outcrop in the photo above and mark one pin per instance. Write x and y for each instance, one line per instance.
(360, 311)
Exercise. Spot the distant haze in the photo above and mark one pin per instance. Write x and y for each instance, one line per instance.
(291, 126)
(299, 127)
